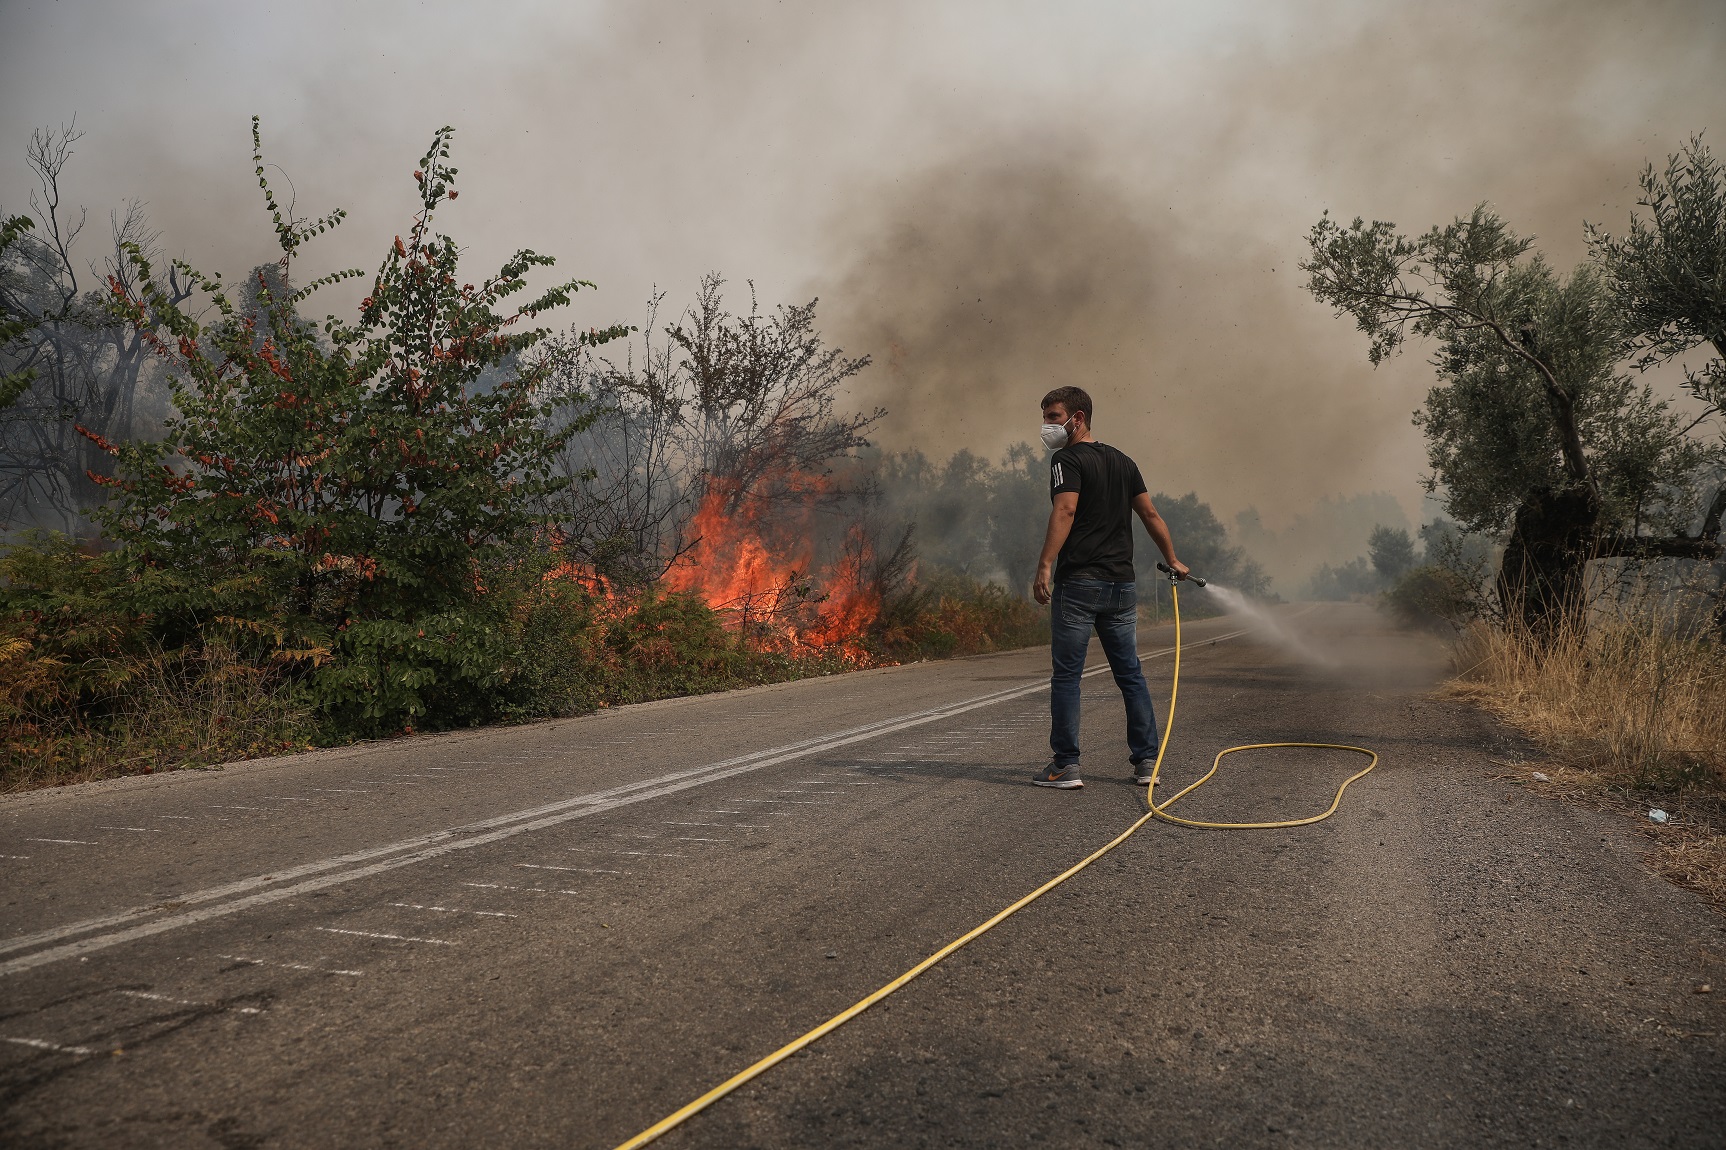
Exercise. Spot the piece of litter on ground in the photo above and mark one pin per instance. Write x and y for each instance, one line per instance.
(835, 954)
(1658, 816)
(1705, 989)
(1540, 778)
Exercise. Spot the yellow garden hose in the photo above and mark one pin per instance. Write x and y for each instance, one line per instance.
(1154, 810)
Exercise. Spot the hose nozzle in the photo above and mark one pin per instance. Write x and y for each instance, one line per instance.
(1173, 578)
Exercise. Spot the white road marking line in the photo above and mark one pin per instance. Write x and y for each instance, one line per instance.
(411, 776)
(788, 791)
(54, 1046)
(187, 1001)
(146, 830)
(68, 842)
(454, 910)
(582, 869)
(14, 856)
(642, 854)
(532, 889)
(713, 811)
(437, 844)
(189, 818)
(232, 807)
(376, 934)
(289, 799)
(672, 824)
(797, 802)
(342, 790)
(693, 839)
(288, 965)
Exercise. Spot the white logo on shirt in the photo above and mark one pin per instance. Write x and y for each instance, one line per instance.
(1057, 475)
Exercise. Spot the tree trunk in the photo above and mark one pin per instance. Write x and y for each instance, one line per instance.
(1541, 579)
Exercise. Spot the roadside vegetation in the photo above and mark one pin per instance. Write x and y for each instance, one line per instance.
(255, 532)
(234, 529)
(1629, 713)
(1581, 567)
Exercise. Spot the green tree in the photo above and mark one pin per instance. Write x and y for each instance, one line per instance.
(1667, 274)
(1203, 544)
(1018, 500)
(1531, 432)
(1392, 552)
(1340, 583)
(344, 496)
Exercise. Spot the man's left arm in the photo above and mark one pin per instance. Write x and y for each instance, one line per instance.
(1158, 529)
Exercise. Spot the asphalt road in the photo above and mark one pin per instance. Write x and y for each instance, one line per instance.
(553, 935)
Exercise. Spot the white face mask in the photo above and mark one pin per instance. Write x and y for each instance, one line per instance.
(1055, 435)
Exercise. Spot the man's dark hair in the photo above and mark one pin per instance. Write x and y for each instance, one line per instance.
(1071, 398)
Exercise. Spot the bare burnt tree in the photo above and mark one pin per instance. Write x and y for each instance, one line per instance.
(87, 369)
(632, 492)
(762, 394)
(738, 409)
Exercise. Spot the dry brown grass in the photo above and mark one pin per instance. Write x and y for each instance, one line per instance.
(159, 712)
(1631, 714)
(1696, 861)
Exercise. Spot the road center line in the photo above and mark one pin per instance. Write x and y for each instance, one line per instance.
(288, 965)
(38, 1044)
(375, 934)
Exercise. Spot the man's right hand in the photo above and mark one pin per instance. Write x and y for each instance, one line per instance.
(1040, 585)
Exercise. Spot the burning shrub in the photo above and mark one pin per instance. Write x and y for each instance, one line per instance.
(587, 644)
(709, 465)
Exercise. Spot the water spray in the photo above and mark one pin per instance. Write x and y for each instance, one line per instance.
(1235, 603)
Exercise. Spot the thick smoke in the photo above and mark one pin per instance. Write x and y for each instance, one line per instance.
(990, 199)
(1148, 252)
(991, 279)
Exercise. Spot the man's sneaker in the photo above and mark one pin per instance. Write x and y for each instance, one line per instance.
(1142, 772)
(1054, 775)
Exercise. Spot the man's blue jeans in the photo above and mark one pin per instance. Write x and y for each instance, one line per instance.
(1078, 607)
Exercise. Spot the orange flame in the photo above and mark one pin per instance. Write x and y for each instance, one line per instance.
(755, 559)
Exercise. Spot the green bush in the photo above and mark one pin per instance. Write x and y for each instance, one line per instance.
(88, 691)
(1437, 598)
(337, 498)
(948, 615)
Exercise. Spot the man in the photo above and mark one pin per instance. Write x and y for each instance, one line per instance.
(1086, 572)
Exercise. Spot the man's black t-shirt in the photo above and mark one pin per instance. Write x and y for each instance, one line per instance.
(1100, 546)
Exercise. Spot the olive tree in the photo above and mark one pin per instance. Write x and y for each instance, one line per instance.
(1667, 274)
(1533, 433)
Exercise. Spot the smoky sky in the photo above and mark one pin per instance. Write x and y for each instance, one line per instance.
(990, 198)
